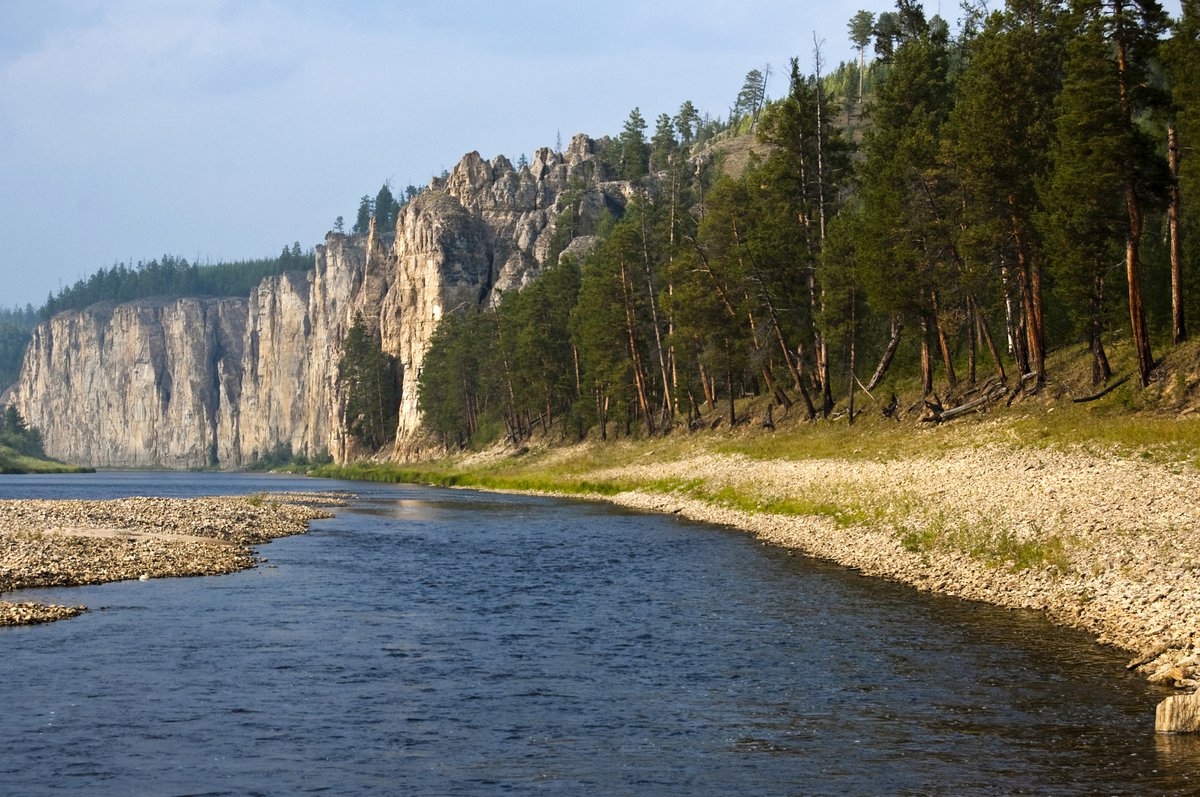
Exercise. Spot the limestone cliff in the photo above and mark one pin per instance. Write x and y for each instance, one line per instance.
(218, 382)
(134, 385)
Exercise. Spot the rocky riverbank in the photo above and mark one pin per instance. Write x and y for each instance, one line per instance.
(1107, 544)
(69, 543)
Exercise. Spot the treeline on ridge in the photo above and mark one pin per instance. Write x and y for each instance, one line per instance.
(173, 277)
(1009, 190)
(168, 276)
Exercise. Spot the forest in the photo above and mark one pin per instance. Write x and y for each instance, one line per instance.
(952, 210)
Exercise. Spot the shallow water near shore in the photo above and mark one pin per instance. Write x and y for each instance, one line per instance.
(441, 642)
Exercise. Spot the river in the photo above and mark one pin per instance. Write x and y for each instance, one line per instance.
(445, 642)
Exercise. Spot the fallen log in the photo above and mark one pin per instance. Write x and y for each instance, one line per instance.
(941, 416)
(1103, 392)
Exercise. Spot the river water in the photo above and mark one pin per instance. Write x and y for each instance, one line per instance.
(437, 642)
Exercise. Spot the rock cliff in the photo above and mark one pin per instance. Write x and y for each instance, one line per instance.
(200, 382)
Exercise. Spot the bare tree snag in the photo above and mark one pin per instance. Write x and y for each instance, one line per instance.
(888, 353)
(1180, 327)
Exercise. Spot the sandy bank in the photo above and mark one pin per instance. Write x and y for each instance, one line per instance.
(1108, 545)
(69, 543)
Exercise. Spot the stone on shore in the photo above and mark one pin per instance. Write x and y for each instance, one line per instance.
(1178, 714)
(34, 613)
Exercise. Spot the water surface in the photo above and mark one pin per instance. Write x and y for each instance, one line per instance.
(441, 642)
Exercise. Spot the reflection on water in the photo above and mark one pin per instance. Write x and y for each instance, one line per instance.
(448, 642)
(1178, 752)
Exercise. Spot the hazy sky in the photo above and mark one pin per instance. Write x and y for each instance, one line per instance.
(224, 130)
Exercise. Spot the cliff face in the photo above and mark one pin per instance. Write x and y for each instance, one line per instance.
(218, 382)
(134, 385)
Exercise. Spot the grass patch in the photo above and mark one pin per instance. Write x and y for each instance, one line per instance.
(436, 477)
(746, 499)
(741, 497)
(996, 546)
(1108, 429)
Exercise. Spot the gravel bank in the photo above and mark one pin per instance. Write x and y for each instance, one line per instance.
(1108, 545)
(69, 543)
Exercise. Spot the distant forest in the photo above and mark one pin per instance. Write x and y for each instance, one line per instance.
(949, 212)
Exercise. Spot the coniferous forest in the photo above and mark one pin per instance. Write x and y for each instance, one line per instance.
(952, 210)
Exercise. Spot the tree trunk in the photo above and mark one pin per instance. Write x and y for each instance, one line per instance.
(973, 341)
(1101, 372)
(1014, 323)
(943, 344)
(578, 375)
(732, 408)
(602, 413)
(1179, 327)
(889, 352)
(823, 347)
(853, 378)
(926, 357)
(1133, 236)
(707, 386)
(652, 299)
(1035, 358)
(862, 65)
(982, 326)
(635, 356)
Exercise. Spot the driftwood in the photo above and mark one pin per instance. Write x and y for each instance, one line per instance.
(1103, 392)
(1016, 391)
(940, 415)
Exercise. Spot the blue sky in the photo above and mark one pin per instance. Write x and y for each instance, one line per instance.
(218, 130)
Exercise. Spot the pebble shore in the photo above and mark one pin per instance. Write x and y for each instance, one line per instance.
(1105, 544)
(47, 543)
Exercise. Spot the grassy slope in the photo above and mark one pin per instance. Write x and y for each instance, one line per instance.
(14, 462)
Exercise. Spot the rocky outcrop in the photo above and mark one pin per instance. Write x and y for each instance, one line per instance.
(219, 382)
(1178, 714)
(134, 385)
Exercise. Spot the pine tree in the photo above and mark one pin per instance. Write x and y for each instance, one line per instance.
(1132, 29)
(798, 183)
(686, 122)
(362, 221)
(663, 145)
(367, 380)
(634, 154)
(861, 27)
(901, 245)
(1182, 55)
(752, 96)
(386, 208)
(1084, 204)
(998, 142)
